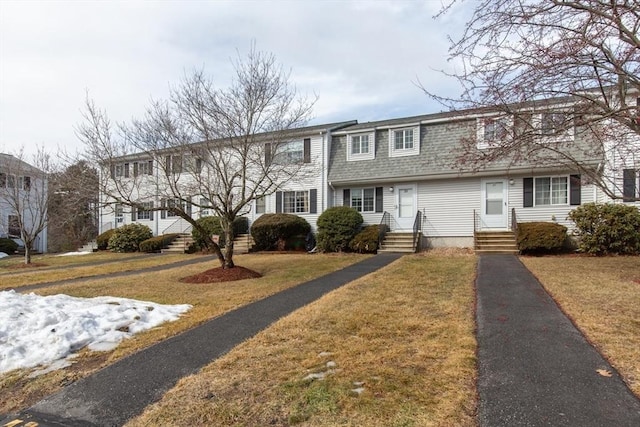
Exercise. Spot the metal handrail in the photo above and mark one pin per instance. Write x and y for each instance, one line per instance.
(417, 228)
(475, 222)
(180, 225)
(384, 227)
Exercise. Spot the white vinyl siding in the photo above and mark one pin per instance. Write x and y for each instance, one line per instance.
(447, 206)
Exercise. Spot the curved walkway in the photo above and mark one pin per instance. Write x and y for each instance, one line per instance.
(535, 367)
(121, 391)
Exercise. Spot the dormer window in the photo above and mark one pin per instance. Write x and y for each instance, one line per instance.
(555, 126)
(492, 130)
(404, 142)
(361, 146)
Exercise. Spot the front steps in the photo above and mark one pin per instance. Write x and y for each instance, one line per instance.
(243, 243)
(398, 242)
(495, 242)
(89, 247)
(180, 245)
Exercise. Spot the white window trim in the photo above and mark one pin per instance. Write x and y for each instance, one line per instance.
(370, 155)
(373, 208)
(481, 122)
(566, 203)
(568, 135)
(307, 195)
(414, 151)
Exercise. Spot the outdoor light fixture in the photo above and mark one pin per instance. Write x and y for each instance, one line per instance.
(511, 181)
(391, 189)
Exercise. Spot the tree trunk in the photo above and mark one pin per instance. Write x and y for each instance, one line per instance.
(228, 250)
(27, 252)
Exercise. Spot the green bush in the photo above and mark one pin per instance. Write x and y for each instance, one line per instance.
(337, 227)
(211, 225)
(607, 228)
(103, 239)
(366, 241)
(541, 237)
(128, 237)
(271, 231)
(155, 244)
(8, 246)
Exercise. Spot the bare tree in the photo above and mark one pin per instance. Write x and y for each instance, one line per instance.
(523, 57)
(73, 201)
(24, 194)
(205, 147)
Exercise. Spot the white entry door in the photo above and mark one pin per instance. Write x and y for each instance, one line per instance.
(405, 206)
(494, 204)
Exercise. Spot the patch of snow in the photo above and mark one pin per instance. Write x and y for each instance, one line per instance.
(74, 253)
(324, 354)
(2, 255)
(331, 364)
(316, 376)
(358, 390)
(39, 330)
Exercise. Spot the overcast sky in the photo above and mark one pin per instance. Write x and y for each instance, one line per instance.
(362, 58)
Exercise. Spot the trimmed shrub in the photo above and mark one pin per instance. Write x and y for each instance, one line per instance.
(240, 226)
(540, 237)
(128, 237)
(8, 246)
(155, 244)
(211, 225)
(103, 239)
(607, 228)
(271, 231)
(337, 226)
(366, 241)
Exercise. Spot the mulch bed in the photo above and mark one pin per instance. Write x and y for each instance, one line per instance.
(220, 274)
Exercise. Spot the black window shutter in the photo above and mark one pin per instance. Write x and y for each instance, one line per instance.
(151, 213)
(346, 197)
(313, 201)
(113, 172)
(307, 150)
(267, 154)
(575, 189)
(189, 206)
(150, 167)
(133, 213)
(278, 201)
(135, 169)
(167, 164)
(126, 170)
(528, 192)
(379, 199)
(163, 212)
(628, 185)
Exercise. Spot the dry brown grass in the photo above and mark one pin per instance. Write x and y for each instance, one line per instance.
(72, 270)
(17, 391)
(602, 296)
(405, 332)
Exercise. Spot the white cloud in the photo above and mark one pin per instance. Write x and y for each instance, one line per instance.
(361, 57)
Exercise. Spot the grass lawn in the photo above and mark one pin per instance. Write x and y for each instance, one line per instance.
(18, 391)
(63, 268)
(602, 297)
(397, 348)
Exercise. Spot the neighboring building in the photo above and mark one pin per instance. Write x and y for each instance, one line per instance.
(408, 172)
(23, 196)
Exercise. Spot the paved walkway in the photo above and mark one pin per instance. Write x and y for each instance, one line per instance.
(535, 367)
(121, 391)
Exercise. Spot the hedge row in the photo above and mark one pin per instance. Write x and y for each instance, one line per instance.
(155, 244)
(8, 246)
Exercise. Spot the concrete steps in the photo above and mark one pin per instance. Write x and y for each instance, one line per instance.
(243, 243)
(495, 242)
(179, 245)
(89, 247)
(398, 242)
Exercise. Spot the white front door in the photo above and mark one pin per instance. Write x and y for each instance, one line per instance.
(494, 204)
(405, 206)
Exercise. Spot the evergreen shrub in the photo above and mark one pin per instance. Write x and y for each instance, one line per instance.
(337, 226)
(271, 231)
(366, 241)
(607, 228)
(541, 237)
(128, 237)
